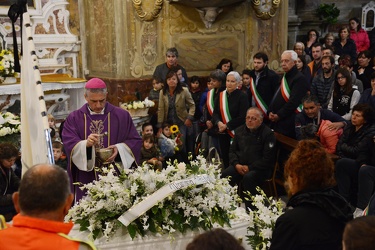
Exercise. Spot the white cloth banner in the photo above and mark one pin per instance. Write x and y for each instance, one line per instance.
(137, 210)
(33, 125)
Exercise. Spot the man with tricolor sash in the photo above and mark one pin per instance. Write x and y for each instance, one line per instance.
(286, 102)
(263, 84)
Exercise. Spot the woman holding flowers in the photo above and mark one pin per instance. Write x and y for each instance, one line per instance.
(319, 214)
(229, 113)
(176, 106)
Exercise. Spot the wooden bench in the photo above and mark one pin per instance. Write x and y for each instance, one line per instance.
(284, 144)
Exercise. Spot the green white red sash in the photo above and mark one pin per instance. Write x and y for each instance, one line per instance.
(285, 92)
(210, 101)
(224, 109)
(257, 98)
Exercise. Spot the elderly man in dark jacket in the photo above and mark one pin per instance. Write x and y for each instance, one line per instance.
(287, 100)
(252, 154)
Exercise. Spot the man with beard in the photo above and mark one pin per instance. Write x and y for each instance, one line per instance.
(263, 83)
(316, 65)
(162, 70)
(322, 84)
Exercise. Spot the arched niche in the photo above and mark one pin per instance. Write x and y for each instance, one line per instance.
(368, 16)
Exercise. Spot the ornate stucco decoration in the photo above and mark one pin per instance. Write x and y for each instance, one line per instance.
(148, 16)
(265, 9)
(208, 10)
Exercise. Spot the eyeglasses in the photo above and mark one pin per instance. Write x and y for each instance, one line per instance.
(340, 77)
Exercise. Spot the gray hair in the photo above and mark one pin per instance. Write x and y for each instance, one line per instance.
(236, 75)
(292, 53)
(173, 51)
(104, 91)
(260, 113)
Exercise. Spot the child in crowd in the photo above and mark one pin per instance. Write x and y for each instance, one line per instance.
(60, 158)
(193, 131)
(169, 148)
(246, 80)
(52, 126)
(181, 78)
(9, 181)
(147, 129)
(150, 153)
(157, 85)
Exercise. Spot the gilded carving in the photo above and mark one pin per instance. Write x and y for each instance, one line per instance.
(265, 9)
(148, 43)
(148, 16)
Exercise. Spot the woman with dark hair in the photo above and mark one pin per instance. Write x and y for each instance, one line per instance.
(176, 106)
(9, 181)
(358, 35)
(344, 96)
(225, 65)
(353, 148)
(344, 45)
(319, 214)
(364, 69)
(303, 68)
(312, 37)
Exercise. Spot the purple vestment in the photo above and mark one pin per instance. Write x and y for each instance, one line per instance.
(80, 124)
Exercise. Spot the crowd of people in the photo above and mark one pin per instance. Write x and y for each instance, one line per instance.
(324, 97)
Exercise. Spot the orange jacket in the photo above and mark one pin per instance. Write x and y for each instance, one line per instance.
(329, 138)
(32, 233)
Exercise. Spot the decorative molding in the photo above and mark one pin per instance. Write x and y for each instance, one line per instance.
(265, 9)
(148, 16)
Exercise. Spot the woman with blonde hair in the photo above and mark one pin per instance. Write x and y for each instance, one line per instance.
(319, 214)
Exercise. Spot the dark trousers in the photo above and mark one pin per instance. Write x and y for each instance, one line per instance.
(347, 179)
(249, 181)
(366, 184)
(224, 142)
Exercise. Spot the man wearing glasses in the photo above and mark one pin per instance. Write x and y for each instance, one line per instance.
(252, 153)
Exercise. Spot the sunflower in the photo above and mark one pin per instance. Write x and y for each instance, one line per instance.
(174, 129)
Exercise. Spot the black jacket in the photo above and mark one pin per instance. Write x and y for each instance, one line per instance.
(267, 86)
(298, 86)
(316, 221)
(256, 149)
(237, 104)
(353, 144)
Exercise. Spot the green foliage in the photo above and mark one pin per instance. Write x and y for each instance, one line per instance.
(190, 208)
(328, 13)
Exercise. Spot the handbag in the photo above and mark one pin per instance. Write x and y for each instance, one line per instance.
(213, 157)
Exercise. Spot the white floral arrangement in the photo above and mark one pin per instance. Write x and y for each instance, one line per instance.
(263, 220)
(9, 124)
(138, 104)
(7, 63)
(191, 208)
